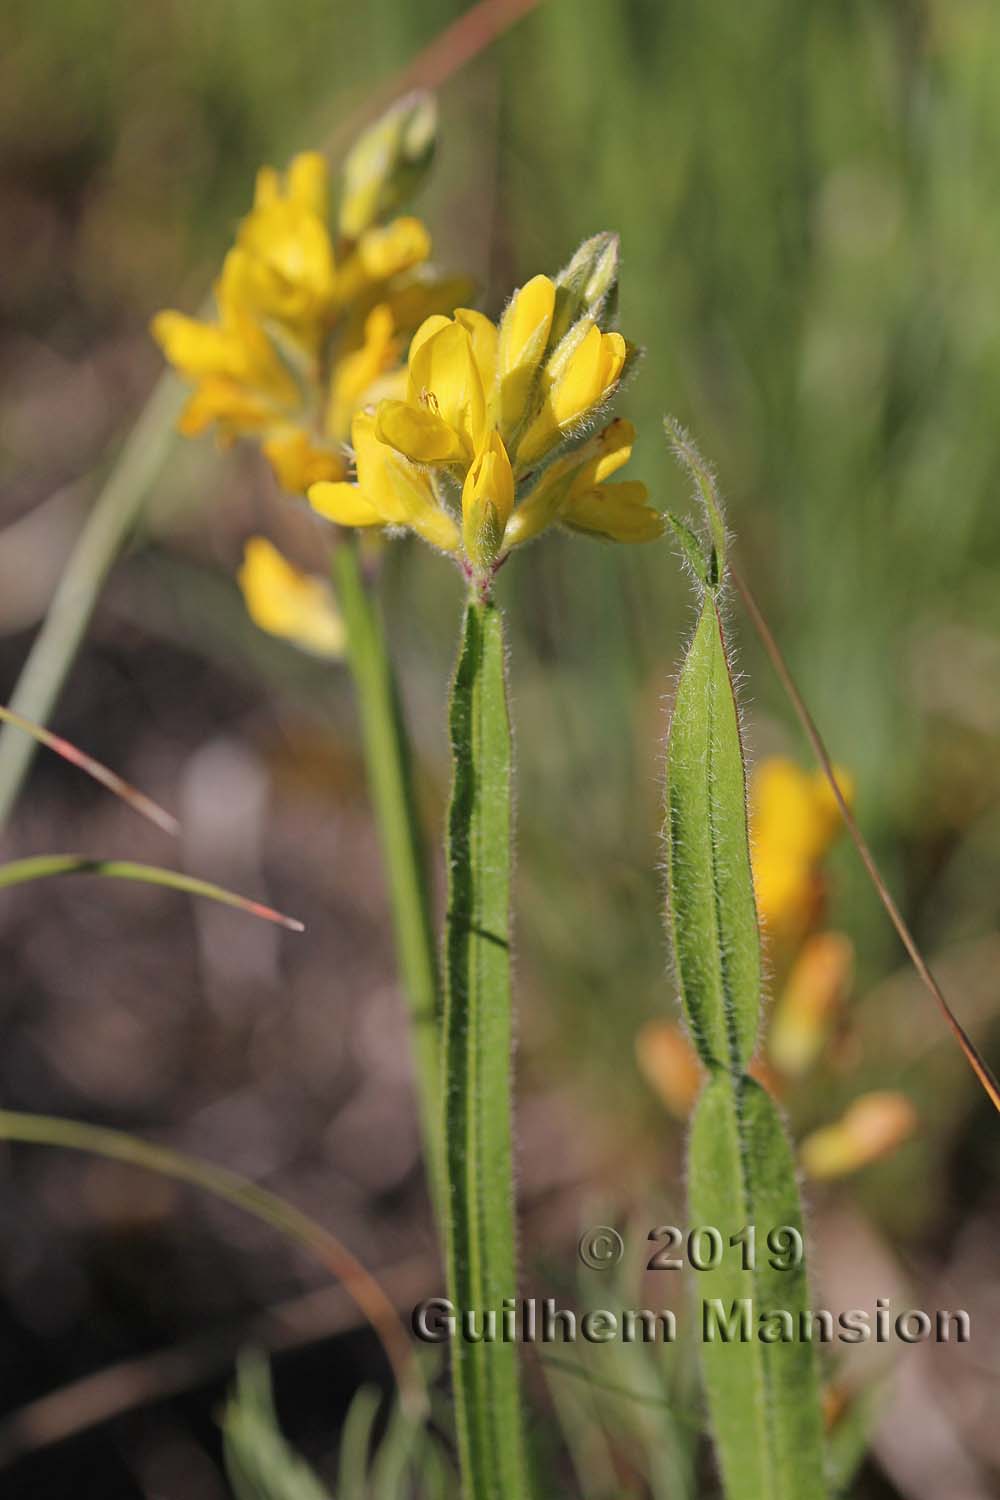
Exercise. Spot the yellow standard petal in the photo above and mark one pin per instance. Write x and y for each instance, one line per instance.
(524, 335)
(418, 433)
(444, 378)
(343, 503)
(487, 502)
(286, 602)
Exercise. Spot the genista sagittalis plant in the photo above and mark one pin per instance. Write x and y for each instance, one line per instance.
(491, 442)
(762, 1391)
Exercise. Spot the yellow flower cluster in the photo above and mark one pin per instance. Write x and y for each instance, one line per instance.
(484, 410)
(304, 335)
(793, 823)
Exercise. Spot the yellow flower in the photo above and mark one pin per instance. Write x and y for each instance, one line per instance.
(875, 1125)
(576, 380)
(285, 602)
(240, 381)
(794, 820)
(487, 501)
(390, 491)
(356, 373)
(290, 268)
(468, 378)
(299, 460)
(574, 491)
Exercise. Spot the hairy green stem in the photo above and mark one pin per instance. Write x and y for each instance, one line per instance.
(477, 1060)
(388, 763)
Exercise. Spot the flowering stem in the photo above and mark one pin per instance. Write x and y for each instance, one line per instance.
(387, 757)
(477, 1068)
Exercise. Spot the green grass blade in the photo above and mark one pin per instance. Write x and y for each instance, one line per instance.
(387, 758)
(284, 1217)
(138, 801)
(356, 1444)
(763, 1397)
(477, 1045)
(712, 916)
(111, 520)
(260, 1464)
(43, 866)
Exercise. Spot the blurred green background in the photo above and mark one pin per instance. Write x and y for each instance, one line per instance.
(808, 196)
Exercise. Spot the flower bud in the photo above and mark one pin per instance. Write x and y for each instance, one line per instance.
(387, 162)
(487, 501)
(588, 286)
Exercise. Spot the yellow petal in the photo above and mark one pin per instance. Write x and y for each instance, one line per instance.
(401, 493)
(444, 376)
(524, 334)
(195, 348)
(308, 182)
(812, 998)
(616, 511)
(235, 408)
(484, 337)
(428, 328)
(288, 603)
(357, 370)
(874, 1125)
(402, 244)
(299, 461)
(487, 501)
(344, 503)
(417, 432)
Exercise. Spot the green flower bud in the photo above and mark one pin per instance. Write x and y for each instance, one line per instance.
(387, 162)
(588, 286)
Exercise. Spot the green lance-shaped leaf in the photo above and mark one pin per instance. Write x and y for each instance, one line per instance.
(712, 916)
(763, 1396)
(477, 1066)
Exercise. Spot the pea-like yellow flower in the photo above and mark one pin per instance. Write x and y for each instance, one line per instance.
(310, 330)
(468, 377)
(286, 602)
(241, 382)
(794, 820)
(390, 491)
(291, 277)
(575, 492)
(487, 406)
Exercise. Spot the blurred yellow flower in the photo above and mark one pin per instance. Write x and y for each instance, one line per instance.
(793, 821)
(286, 602)
(307, 333)
(670, 1066)
(873, 1127)
(810, 1001)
